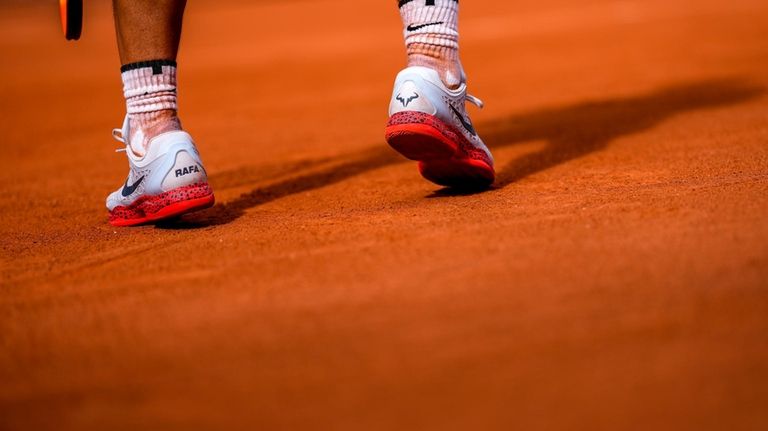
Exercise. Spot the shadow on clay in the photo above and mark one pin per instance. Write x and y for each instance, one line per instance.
(570, 132)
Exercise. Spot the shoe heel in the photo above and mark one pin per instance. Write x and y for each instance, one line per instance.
(412, 135)
(186, 170)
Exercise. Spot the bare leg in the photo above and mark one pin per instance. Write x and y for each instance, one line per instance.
(148, 34)
(148, 29)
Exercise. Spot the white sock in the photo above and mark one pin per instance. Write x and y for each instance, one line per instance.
(149, 88)
(431, 31)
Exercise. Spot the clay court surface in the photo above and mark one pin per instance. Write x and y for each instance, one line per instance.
(615, 277)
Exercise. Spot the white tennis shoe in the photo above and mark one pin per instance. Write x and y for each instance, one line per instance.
(165, 182)
(428, 122)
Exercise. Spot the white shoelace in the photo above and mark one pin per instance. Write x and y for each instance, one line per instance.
(475, 101)
(117, 134)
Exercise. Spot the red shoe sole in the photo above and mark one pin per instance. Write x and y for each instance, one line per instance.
(173, 203)
(445, 156)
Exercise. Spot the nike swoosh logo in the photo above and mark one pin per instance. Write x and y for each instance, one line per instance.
(464, 122)
(412, 27)
(128, 190)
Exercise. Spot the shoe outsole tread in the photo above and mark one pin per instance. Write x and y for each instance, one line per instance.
(173, 203)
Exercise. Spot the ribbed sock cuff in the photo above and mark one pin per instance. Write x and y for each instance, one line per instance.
(149, 86)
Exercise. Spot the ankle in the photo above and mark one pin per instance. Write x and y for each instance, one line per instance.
(448, 67)
(146, 125)
(155, 123)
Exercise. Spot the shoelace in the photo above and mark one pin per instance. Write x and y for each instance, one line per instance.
(475, 101)
(118, 135)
